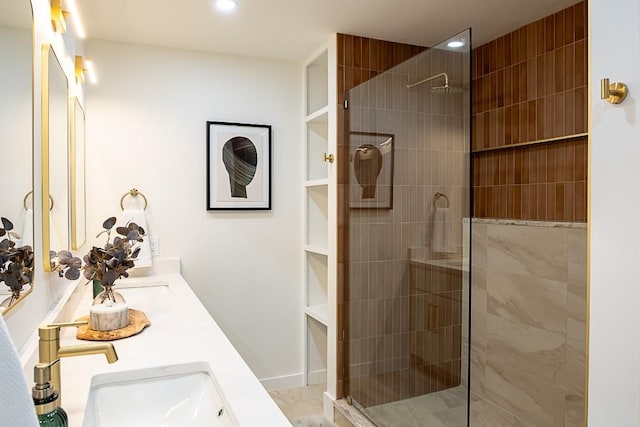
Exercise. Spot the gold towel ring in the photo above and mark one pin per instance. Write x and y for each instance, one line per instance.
(133, 193)
(24, 202)
(437, 196)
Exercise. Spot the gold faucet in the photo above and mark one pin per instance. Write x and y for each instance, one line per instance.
(51, 352)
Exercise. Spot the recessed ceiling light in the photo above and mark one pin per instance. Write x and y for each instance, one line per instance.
(456, 43)
(226, 5)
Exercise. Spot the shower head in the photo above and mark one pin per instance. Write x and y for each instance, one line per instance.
(438, 90)
(445, 90)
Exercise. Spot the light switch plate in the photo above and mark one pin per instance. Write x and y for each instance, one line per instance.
(153, 241)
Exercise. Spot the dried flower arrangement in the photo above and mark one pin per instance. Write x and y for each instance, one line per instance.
(16, 263)
(105, 265)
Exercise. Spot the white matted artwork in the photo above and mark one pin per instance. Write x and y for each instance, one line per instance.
(238, 166)
(371, 170)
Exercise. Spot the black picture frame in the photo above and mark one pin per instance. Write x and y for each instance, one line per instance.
(371, 187)
(238, 166)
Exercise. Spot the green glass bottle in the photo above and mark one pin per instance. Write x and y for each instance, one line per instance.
(45, 399)
(97, 288)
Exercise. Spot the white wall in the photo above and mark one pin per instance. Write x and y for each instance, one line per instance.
(614, 347)
(146, 128)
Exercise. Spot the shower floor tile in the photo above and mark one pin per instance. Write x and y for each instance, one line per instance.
(447, 408)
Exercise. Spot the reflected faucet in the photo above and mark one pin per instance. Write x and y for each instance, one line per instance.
(50, 351)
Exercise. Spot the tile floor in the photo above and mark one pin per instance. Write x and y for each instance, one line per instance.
(304, 403)
(447, 408)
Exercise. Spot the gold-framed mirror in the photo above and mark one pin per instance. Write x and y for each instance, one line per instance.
(16, 145)
(78, 194)
(55, 156)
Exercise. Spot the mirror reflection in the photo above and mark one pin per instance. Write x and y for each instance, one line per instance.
(16, 230)
(78, 207)
(58, 156)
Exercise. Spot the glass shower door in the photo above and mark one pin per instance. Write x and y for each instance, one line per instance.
(407, 352)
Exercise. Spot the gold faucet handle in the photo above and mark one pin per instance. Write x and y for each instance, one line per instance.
(67, 324)
(52, 331)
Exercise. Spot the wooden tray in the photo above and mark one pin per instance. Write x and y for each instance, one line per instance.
(137, 322)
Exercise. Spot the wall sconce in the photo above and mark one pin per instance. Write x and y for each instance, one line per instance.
(84, 66)
(58, 17)
(75, 17)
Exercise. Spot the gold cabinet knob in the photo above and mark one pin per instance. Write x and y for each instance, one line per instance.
(327, 157)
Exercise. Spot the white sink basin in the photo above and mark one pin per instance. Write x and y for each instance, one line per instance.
(143, 289)
(167, 396)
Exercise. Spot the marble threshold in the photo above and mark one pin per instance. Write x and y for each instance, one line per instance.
(529, 223)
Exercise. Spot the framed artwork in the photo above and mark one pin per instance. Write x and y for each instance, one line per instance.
(371, 170)
(238, 166)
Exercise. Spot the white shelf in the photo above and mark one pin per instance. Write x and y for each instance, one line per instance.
(317, 216)
(319, 312)
(318, 116)
(317, 182)
(316, 250)
(317, 75)
(317, 145)
(320, 193)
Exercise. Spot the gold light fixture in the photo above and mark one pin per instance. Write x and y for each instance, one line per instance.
(84, 66)
(75, 17)
(58, 17)
(79, 69)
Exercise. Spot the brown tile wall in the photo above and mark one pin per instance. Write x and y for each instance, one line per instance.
(544, 182)
(362, 58)
(528, 85)
(359, 59)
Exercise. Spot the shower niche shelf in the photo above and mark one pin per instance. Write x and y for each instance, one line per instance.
(320, 196)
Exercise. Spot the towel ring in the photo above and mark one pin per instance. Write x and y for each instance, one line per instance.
(133, 193)
(24, 201)
(437, 196)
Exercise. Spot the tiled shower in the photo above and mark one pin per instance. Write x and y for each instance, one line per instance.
(409, 138)
(407, 350)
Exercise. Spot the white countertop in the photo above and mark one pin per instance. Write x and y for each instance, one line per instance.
(181, 331)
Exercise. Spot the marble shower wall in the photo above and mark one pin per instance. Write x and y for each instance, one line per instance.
(528, 314)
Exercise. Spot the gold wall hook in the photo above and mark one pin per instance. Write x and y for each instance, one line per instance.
(327, 157)
(614, 93)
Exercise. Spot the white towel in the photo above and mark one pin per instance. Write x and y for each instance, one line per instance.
(16, 405)
(138, 216)
(441, 238)
(26, 238)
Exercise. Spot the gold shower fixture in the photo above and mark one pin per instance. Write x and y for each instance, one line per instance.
(438, 90)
